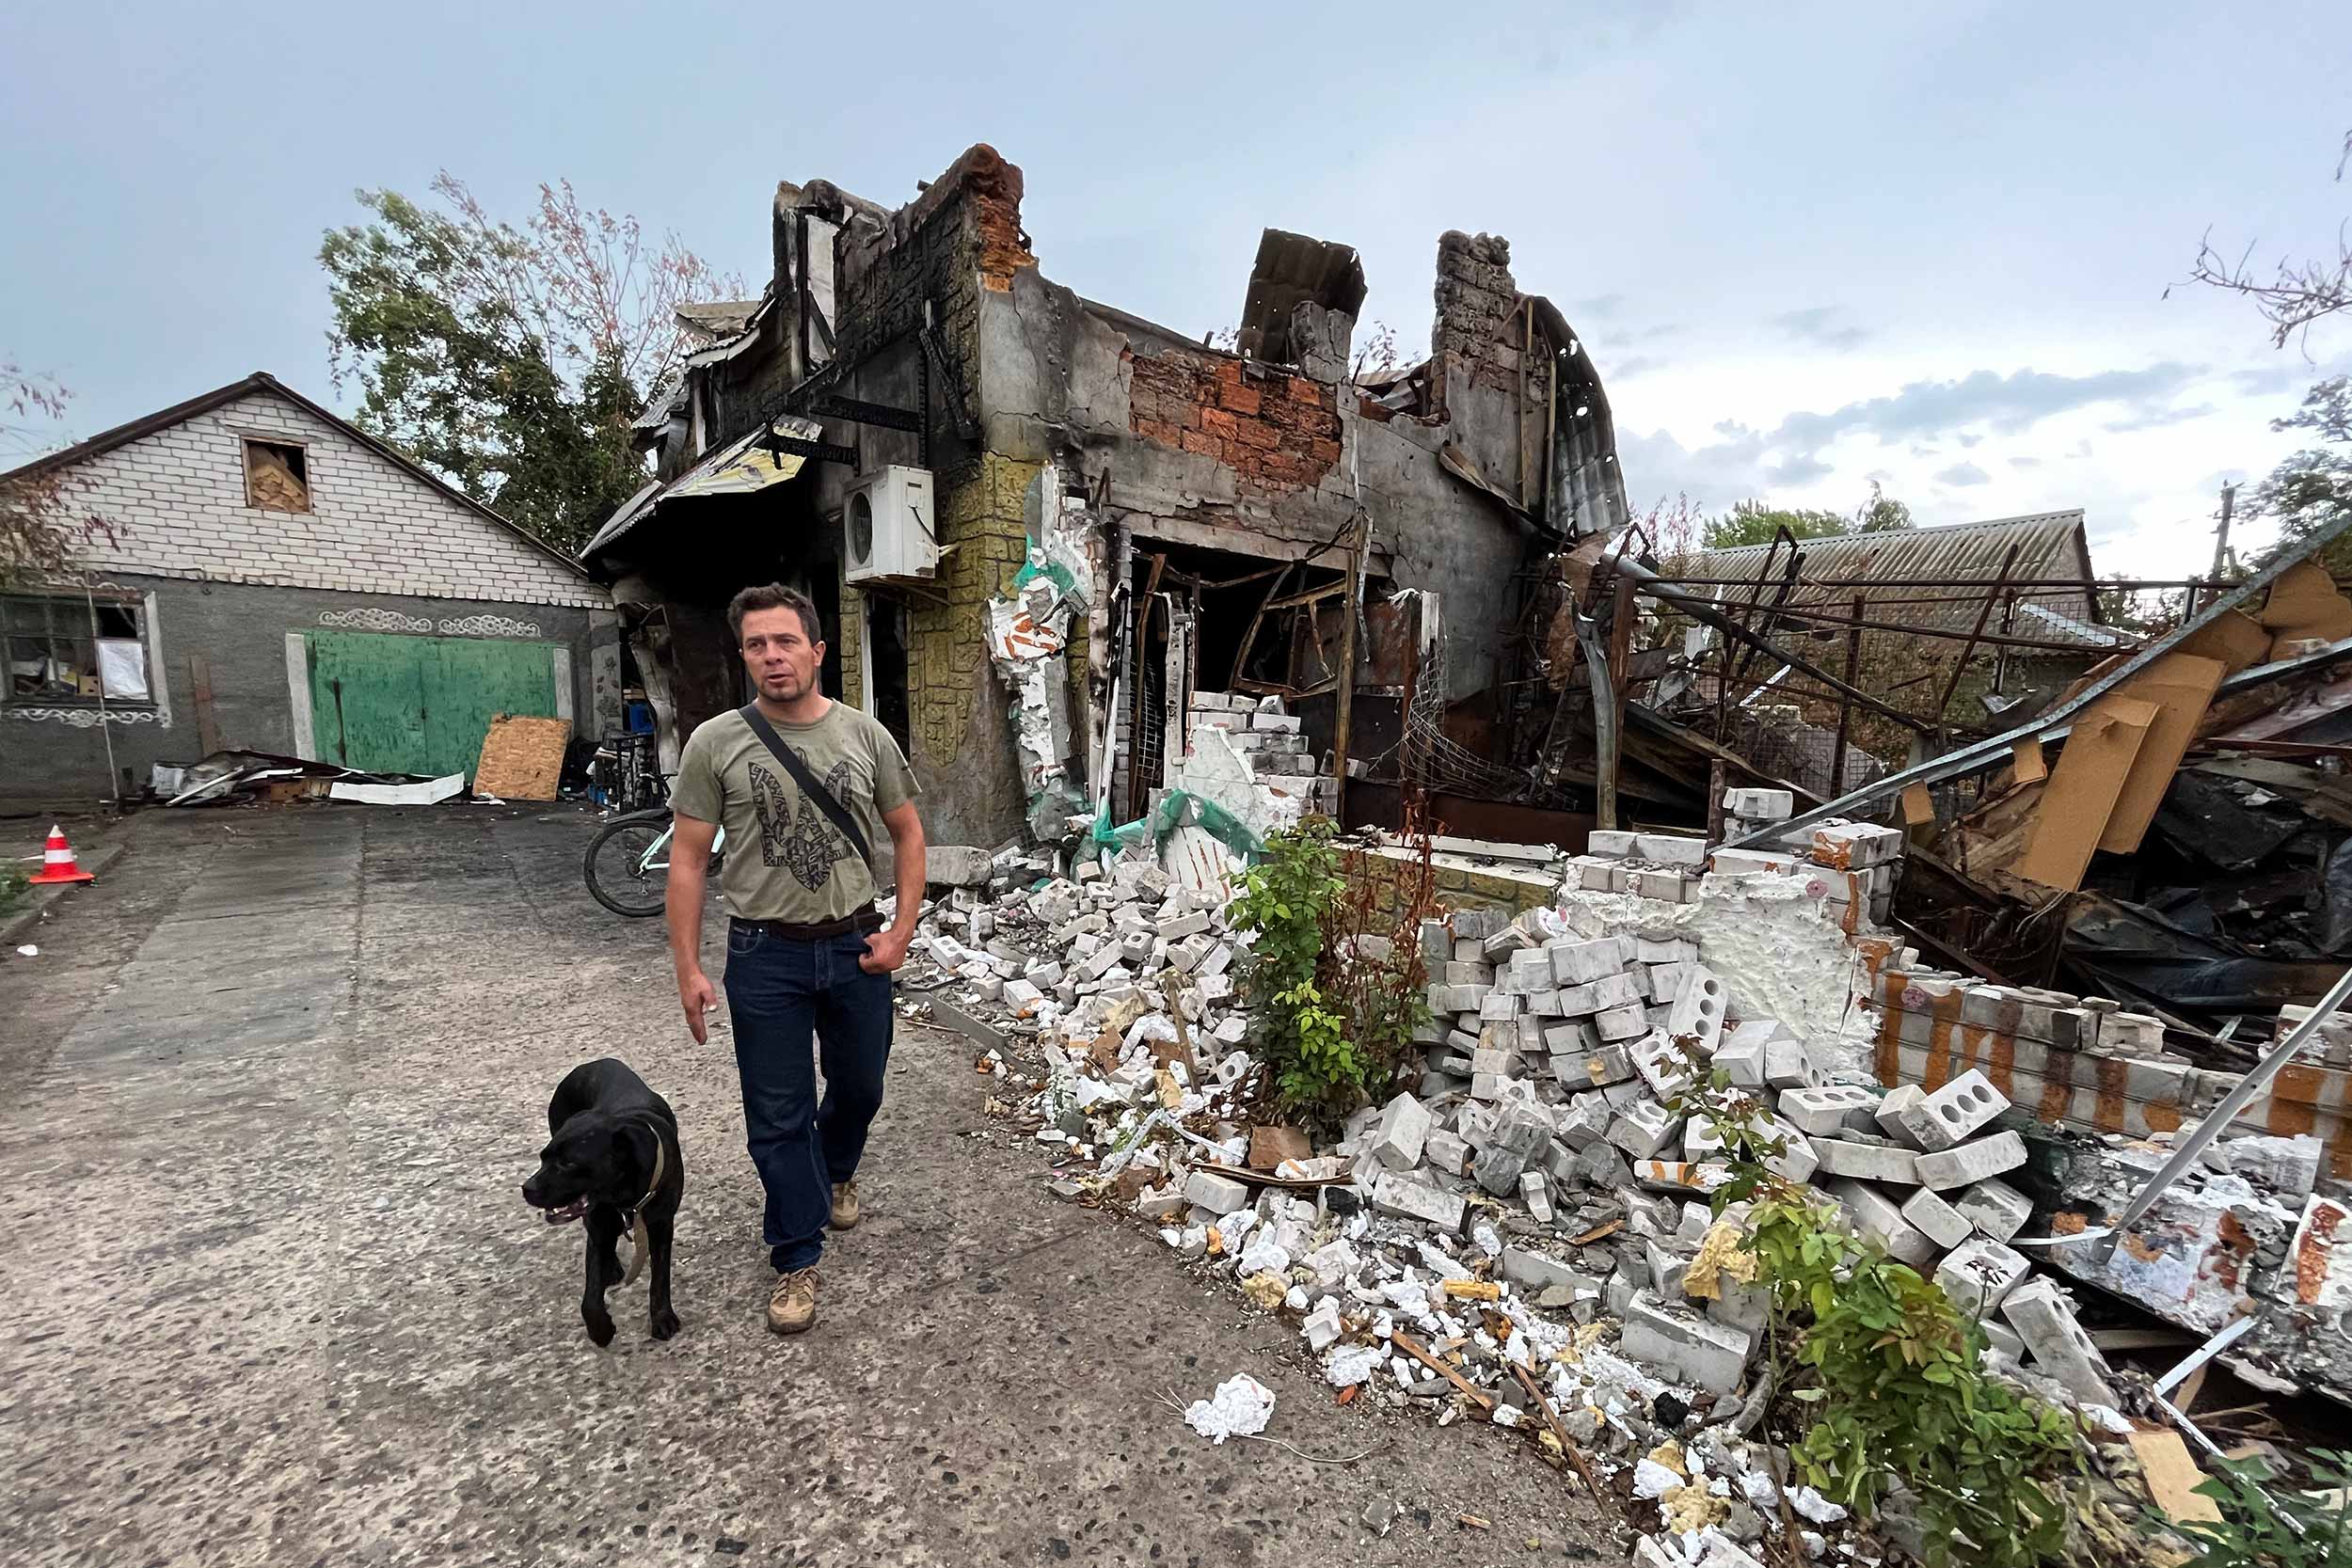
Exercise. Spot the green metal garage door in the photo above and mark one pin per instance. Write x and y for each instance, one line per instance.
(419, 705)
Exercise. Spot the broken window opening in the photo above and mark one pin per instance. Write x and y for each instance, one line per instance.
(276, 476)
(886, 673)
(54, 657)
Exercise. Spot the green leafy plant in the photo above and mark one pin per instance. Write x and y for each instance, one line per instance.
(1885, 1383)
(2265, 1522)
(14, 883)
(1331, 1011)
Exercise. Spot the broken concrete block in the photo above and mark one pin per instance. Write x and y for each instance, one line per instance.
(1699, 1007)
(1888, 1113)
(1401, 1130)
(1590, 1068)
(2044, 1317)
(1621, 1023)
(1661, 1064)
(1866, 1161)
(1322, 1325)
(1500, 1006)
(1405, 1199)
(1878, 1216)
(1579, 1001)
(1666, 885)
(1534, 1270)
(1536, 1193)
(1610, 842)
(956, 866)
(1942, 1118)
(1771, 805)
(1971, 1163)
(1580, 963)
(1666, 1270)
(1670, 848)
(1711, 1355)
(1741, 1059)
(1995, 1207)
(1021, 998)
(2289, 1165)
(1822, 1113)
(1505, 944)
(1787, 1065)
(1445, 1152)
(1643, 1128)
(1617, 991)
(1852, 846)
(1584, 1120)
(1206, 1189)
(1945, 1226)
(1980, 1274)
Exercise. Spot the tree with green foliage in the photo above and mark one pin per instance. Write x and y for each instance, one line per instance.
(1752, 522)
(2313, 487)
(511, 360)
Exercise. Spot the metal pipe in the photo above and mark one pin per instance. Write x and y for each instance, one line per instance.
(2216, 1120)
(1358, 545)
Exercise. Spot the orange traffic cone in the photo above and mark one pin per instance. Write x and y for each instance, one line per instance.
(57, 861)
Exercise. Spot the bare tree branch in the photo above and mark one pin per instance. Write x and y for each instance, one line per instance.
(2297, 293)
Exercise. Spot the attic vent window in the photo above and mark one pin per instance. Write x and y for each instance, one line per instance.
(276, 476)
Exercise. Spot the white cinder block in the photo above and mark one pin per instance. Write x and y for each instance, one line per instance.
(1971, 1163)
(1942, 1118)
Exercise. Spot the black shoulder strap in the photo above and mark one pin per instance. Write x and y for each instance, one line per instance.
(834, 811)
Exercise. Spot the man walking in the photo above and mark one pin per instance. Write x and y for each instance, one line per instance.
(803, 785)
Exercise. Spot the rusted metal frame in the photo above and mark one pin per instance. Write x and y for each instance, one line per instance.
(1845, 709)
(1701, 611)
(1984, 613)
(1606, 746)
(1993, 749)
(1250, 636)
(1135, 657)
(1244, 581)
(2000, 651)
(1312, 595)
(2092, 585)
(1942, 634)
(1780, 596)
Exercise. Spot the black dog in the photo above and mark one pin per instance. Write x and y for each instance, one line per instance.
(614, 1158)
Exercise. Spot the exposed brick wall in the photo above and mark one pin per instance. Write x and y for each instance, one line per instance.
(1475, 293)
(1276, 431)
(373, 527)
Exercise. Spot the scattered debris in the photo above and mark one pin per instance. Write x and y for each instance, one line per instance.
(1240, 1408)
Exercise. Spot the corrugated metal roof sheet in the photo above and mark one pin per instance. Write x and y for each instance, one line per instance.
(2049, 545)
(739, 467)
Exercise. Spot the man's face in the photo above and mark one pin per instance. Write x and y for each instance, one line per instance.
(780, 658)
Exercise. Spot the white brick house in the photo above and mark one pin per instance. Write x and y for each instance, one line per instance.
(268, 555)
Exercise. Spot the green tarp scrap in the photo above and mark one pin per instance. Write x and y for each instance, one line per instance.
(1180, 809)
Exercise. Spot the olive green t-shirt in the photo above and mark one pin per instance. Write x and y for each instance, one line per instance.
(784, 859)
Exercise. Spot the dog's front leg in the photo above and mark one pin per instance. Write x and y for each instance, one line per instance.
(660, 1228)
(604, 1228)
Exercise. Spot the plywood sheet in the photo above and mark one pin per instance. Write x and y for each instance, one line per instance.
(2238, 640)
(2025, 762)
(2305, 596)
(2082, 791)
(522, 758)
(2182, 686)
(2173, 1477)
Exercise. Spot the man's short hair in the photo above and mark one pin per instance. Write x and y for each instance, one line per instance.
(775, 596)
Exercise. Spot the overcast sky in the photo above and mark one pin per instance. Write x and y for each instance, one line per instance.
(1807, 246)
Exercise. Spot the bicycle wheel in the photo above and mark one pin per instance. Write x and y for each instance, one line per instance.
(623, 871)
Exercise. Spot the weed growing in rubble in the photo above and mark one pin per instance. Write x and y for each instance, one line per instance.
(1330, 1022)
(1887, 1384)
(14, 884)
(2266, 1522)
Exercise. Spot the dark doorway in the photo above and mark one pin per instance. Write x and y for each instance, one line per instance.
(824, 588)
(886, 664)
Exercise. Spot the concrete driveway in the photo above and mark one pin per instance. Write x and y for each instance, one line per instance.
(270, 1091)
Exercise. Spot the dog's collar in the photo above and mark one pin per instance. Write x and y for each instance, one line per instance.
(660, 1156)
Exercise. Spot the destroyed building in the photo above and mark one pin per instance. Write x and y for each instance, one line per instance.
(913, 422)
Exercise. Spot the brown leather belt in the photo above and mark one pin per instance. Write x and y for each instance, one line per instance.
(866, 918)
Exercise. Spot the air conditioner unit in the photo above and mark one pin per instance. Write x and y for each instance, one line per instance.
(888, 525)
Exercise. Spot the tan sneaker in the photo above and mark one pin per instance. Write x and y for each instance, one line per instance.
(845, 1209)
(792, 1306)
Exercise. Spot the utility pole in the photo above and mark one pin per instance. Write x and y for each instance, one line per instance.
(2221, 534)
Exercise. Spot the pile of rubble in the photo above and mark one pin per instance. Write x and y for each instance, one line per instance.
(1525, 1235)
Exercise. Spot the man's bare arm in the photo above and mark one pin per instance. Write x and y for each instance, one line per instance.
(690, 877)
(887, 950)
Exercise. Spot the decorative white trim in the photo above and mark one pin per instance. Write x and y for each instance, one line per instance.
(488, 625)
(298, 695)
(560, 656)
(373, 619)
(90, 718)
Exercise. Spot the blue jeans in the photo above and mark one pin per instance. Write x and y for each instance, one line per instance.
(778, 992)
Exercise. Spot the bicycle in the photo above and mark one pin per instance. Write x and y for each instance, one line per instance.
(633, 850)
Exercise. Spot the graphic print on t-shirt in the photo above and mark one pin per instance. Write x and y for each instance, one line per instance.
(807, 846)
